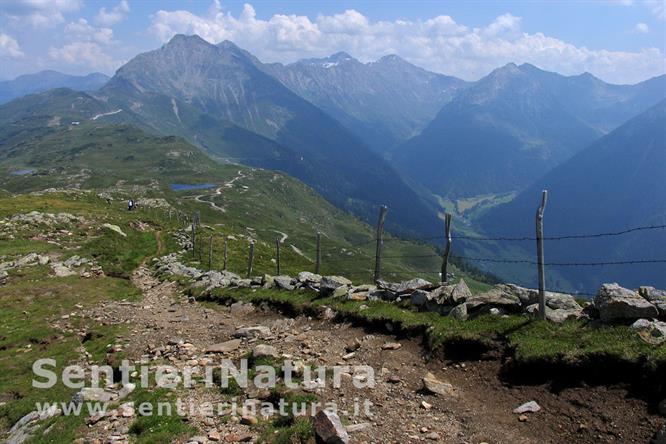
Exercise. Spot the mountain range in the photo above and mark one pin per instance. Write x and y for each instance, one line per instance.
(613, 185)
(383, 102)
(44, 80)
(514, 125)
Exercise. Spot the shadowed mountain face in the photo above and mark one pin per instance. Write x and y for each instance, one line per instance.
(614, 184)
(43, 80)
(383, 102)
(514, 125)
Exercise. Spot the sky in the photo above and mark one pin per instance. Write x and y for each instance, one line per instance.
(620, 41)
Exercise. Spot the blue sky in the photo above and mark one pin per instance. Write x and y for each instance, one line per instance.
(620, 41)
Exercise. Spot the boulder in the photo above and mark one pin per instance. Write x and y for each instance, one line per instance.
(655, 297)
(92, 394)
(284, 283)
(419, 298)
(306, 277)
(329, 284)
(382, 295)
(459, 312)
(558, 315)
(497, 297)
(406, 287)
(329, 428)
(653, 332)
(267, 281)
(616, 303)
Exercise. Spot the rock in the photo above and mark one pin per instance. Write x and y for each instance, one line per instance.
(249, 420)
(126, 390)
(528, 407)
(419, 298)
(114, 228)
(257, 331)
(91, 394)
(28, 259)
(426, 405)
(264, 351)
(497, 297)
(358, 296)
(61, 271)
(239, 309)
(267, 281)
(459, 312)
(405, 287)
(656, 297)
(523, 418)
(284, 283)
(435, 386)
(353, 428)
(559, 315)
(214, 435)
(433, 436)
(342, 291)
(616, 303)
(329, 284)
(329, 428)
(305, 277)
(391, 346)
(382, 295)
(653, 332)
(224, 347)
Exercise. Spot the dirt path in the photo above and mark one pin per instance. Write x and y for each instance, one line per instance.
(217, 192)
(166, 326)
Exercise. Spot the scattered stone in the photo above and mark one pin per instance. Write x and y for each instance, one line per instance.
(115, 228)
(391, 346)
(435, 386)
(353, 428)
(528, 407)
(257, 331)
(224, 347)
(523, 418)
(329, 428)
(214, 435)
(426, 405)
(433, 436)
(264, 350)
(249, 420)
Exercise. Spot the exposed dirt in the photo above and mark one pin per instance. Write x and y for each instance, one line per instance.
(480, 410)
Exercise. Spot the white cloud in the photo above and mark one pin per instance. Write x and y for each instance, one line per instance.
(438, 43)
(641, 28)
(657, 8)
(82, 30)
(40, 13)
(111, 17)
(9, 47)
(86, 55)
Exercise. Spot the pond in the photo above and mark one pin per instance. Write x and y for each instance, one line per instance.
(191, 186)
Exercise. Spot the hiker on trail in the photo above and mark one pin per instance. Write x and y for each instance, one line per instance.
(130, 205)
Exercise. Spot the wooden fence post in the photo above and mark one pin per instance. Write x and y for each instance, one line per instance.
(380, 242)
(210, 253)
(318, 254)
(277, 256)
(540, 255)
(447, 247)
(224, 266)
(250, 259)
